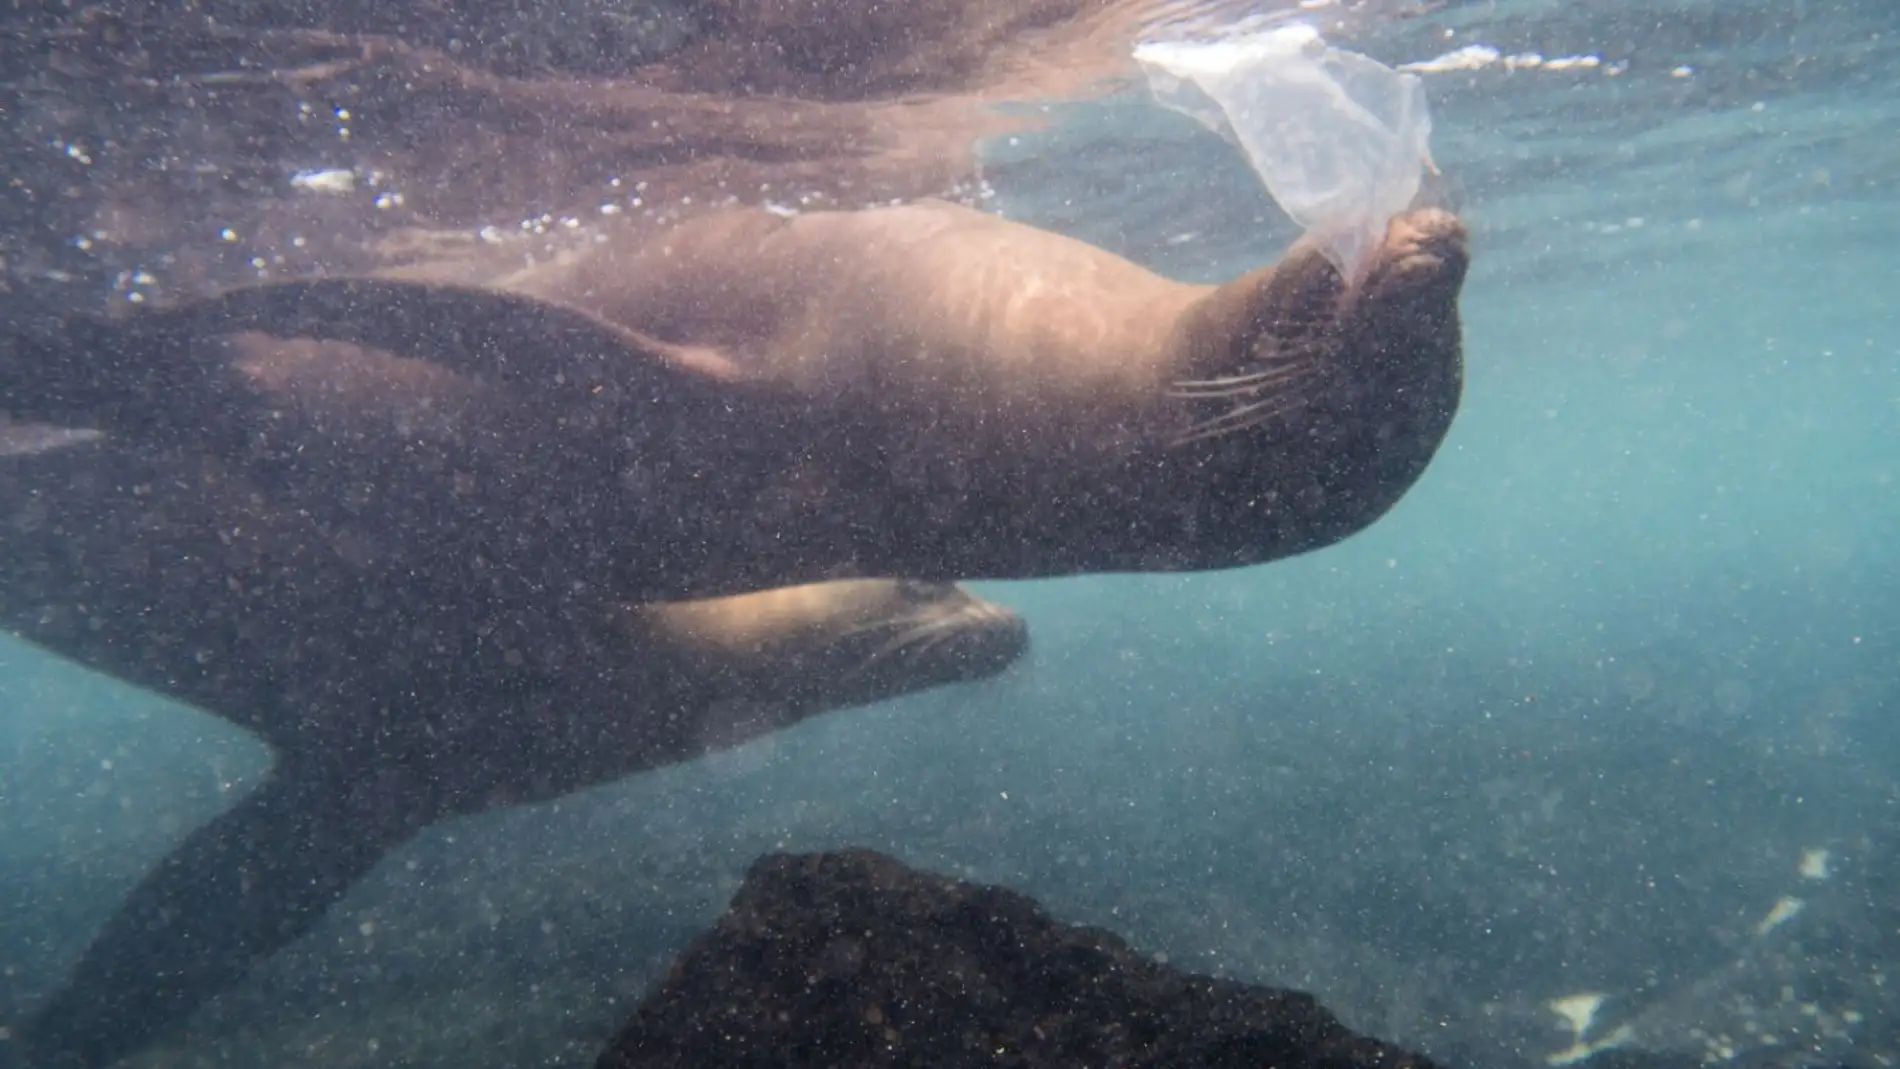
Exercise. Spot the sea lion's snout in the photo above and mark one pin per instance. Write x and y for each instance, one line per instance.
(947, 636)
(1311, 406)
(1396, 374)
(989, 639)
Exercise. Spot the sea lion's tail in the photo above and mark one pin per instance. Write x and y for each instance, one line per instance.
(237, 889)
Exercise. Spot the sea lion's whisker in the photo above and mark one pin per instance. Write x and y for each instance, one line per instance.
(1254, 415)
(1273, 365)
(902, 640)
(1240, 419)
(860, 628)
(1238, 385)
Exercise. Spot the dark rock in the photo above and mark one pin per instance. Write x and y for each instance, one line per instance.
(849, 959)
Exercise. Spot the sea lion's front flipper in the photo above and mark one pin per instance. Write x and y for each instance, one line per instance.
(523, 340)
(237, 889)
(125, 371)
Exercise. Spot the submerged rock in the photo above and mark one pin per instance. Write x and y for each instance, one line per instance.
(851, 959)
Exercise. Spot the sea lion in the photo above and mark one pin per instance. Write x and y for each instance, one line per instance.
(924, 391)
(396, 689)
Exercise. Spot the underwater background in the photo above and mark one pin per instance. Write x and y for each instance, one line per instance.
(1606, 706)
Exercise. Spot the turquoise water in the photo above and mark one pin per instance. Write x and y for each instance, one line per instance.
(1569, 720)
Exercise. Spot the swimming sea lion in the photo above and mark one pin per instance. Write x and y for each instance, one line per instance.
(923, 391)
(1023, 404)
(395, 688)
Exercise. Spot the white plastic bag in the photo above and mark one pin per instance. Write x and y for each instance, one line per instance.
(1339, 139)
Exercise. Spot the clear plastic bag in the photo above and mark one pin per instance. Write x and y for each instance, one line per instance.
(1340, 139)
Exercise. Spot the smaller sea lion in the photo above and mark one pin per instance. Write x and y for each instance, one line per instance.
(392, 695)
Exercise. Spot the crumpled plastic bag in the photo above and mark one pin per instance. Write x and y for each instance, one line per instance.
(1340, 139)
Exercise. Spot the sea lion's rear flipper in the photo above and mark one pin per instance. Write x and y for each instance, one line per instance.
(237, 889)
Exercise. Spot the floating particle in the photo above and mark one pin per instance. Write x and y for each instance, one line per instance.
(1785, 910)
(1578, 1011)
(1580, 1051)
(335, 180)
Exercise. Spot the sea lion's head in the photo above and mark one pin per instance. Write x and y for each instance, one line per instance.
(802, 650)
(1303, 407)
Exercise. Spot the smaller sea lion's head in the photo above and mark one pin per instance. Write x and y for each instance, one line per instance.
(897, 637)
(807, 649)
(1304, 406)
